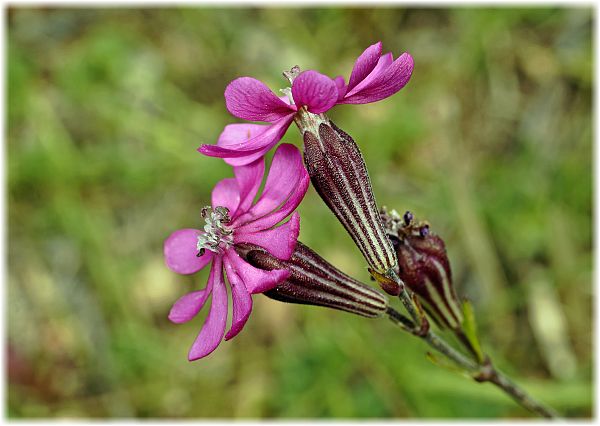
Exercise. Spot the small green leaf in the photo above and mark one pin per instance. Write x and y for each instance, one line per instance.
(470, 329)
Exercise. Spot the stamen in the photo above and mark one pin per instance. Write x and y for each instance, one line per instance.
(288, 92)
(216, 236)
(394, 214)
(223, 213)
(391, 220)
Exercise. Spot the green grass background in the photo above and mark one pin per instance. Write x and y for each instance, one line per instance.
(491, 141)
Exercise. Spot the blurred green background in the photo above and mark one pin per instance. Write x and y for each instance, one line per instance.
(490, 141)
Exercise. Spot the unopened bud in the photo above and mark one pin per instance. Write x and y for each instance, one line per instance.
(314, 281)
(424, 267)
(339, 174)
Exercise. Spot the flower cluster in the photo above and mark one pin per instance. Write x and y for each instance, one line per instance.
(251, 251)
(276, 264)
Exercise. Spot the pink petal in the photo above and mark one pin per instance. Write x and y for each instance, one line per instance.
(180, 251)
(248, 179)
(250, 99)
(247, 151)
(280, 241)
(256, 280)
(365, 64)
(384, 62)
(242, 302)
(214, 328)
(236, 157)
(283, 181)
(341, 86)
(226, 193)
(284, 211)
(285, 99)
(236, 135)
(188, 306)
(389, 81)
(317, 91)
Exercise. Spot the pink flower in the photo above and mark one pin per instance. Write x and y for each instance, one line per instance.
(250, 99)
(373, 78)
(233, 219)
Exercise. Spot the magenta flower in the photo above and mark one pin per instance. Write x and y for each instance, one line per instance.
(373, 78)
(233, 219)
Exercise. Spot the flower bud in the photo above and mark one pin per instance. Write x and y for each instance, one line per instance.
(339, 174)
(424, 267)
(314, 281)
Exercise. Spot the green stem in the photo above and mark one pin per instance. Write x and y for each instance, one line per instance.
(484, 372)
(443, 347)
(520, 396)
(406, 298)
(434, 341)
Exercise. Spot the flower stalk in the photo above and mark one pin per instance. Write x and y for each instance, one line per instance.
(480, 372)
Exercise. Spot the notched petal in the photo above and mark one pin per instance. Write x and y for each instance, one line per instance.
(250, 99)
(188, 306)
(280, 241)
(213, 329)
(341, 86)
(249, 178)
(245, 150)
(365, 64)
(316, 91)
(180, 251)
(238, 134)
(226, 193)
(384, 83)
(242, 302)
(285, 187)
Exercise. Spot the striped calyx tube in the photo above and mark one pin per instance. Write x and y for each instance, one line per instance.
(424, 267)
(314, 281)
(338, 172)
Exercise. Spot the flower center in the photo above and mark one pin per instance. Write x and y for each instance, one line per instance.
(216, 237)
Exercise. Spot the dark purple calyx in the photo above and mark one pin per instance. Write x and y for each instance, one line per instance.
(339, 174)
(314, 281)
